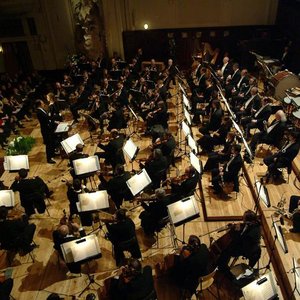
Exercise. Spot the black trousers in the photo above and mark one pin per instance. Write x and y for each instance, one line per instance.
(5, 289)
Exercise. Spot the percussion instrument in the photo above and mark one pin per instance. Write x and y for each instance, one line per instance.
(296, 118)
(282, 81)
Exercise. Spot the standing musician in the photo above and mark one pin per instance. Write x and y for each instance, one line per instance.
(245, 241)
(32, 192)
(121, 232)
(134, 283)
(193, 262)
(47, 131)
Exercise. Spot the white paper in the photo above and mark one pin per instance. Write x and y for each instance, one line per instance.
(182, 210)
(195, 162)
(262, 193)
(7, 198)
(138, 182)
(16, 162)
(187, 116)
(71, 142)
(93, 201)
(130, 149)
(280, 237)
(62, 127)
(186, 101)
(192, 144)
(86, 165)
(185, 129)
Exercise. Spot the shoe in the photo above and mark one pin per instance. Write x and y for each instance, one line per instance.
(51, 161)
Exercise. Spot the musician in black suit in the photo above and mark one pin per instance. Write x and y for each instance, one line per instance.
(185, 187)
(82, 102)
(273, 134)
(121, 95)
(77, 154)
(193, 262)
(243, 91)
(226, 69)
(134, 283)
(232, 80)
(284, 157)
(245, 242)
(116, 186)
(16, 234)
(257, 119)
(121, 232)
(215, 118)
(32, 192)
(6, 287)
(117, 119)
(47, 130)
(229, 172)
(113, 152)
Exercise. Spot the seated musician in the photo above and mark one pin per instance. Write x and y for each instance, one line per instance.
(229, 172)
(294, 210)
(77, 154)
(117, 119)
(221, 156)
(72, 194)
(156, 166)
(245, 242)
(158, 116)
(16, 234)
(155, 211)
(60, 236)
(113, 153)
(184, 185)
(218, 137)
(192, 263)
(134, 283)
(257, 119)
(121, 232)
(33, 192)
(232, 80)
(121, 95)
(226, 69)
(273, 134)
(82, 102)
(116, 186)
(215, 118)
(284, 157)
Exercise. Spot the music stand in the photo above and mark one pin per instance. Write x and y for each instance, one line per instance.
(192, 144)
(196, 163)
(86, 165)
(296, 272)
(82, 251)
(7, 198)
(63, 127)
(185, 129)
(186, 101)
(15, 163)
(181, 212)
(262, 193)
(279, 235)
(138, 182)
(131, 151)
(134, 123)
(187, 116)
(92, 201)
(69, 144)
(261, 289)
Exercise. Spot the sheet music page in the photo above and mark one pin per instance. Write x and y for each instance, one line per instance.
(130, 148)
(87, 249)
(262, 193)
(138, 182)
(71, 142)
(7, 198)
(185, 128)
(93, 201)
(62, 127)
(182, 210)
(192, 144)
(264, 291)
(86, 165)
(195, 162)
(187, 116)
(17, 162)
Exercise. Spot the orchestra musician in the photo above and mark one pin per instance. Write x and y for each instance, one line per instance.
(133, 283)
(77, 154)
(225, 70)
(112, 153)
(294, 210)
(121, 232)
(284, 157)
(245, 241)
(193, 262)
(16, 234)
(82, 101)
(32, 192)
(229, 172)
(232, 80)
(47, 130)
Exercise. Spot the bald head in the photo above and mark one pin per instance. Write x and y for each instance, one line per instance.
(225, 60)
(280, 116)
(63, 230)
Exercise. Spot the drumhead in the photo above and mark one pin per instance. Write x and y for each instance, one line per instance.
(285, 80)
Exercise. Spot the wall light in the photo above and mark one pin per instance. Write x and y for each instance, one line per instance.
(1, 49)
(146, 26)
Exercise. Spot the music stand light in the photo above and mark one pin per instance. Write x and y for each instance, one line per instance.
(69, 144)
(185, 128)
(16, 162)
(262, 193)
(263, 288)
(138, 182)
(92, 201)
(196, 163)
(7, 198)
(86, 165)
(130, 149)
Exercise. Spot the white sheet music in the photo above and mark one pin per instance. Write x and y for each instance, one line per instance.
(262, 193)
(187, 116)
(266, 290)
(138, 182)
(7, 198)
(280, 237)
(185, 129)
(186, 101)
(130, 149)
(86, 165)
(192, 144)
(16, 162)
(183, 210)
(62, 127)
(71, 142)
(195, 162)
(93, 201)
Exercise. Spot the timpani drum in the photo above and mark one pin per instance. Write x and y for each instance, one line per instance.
(296, 118)
(282, 81)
